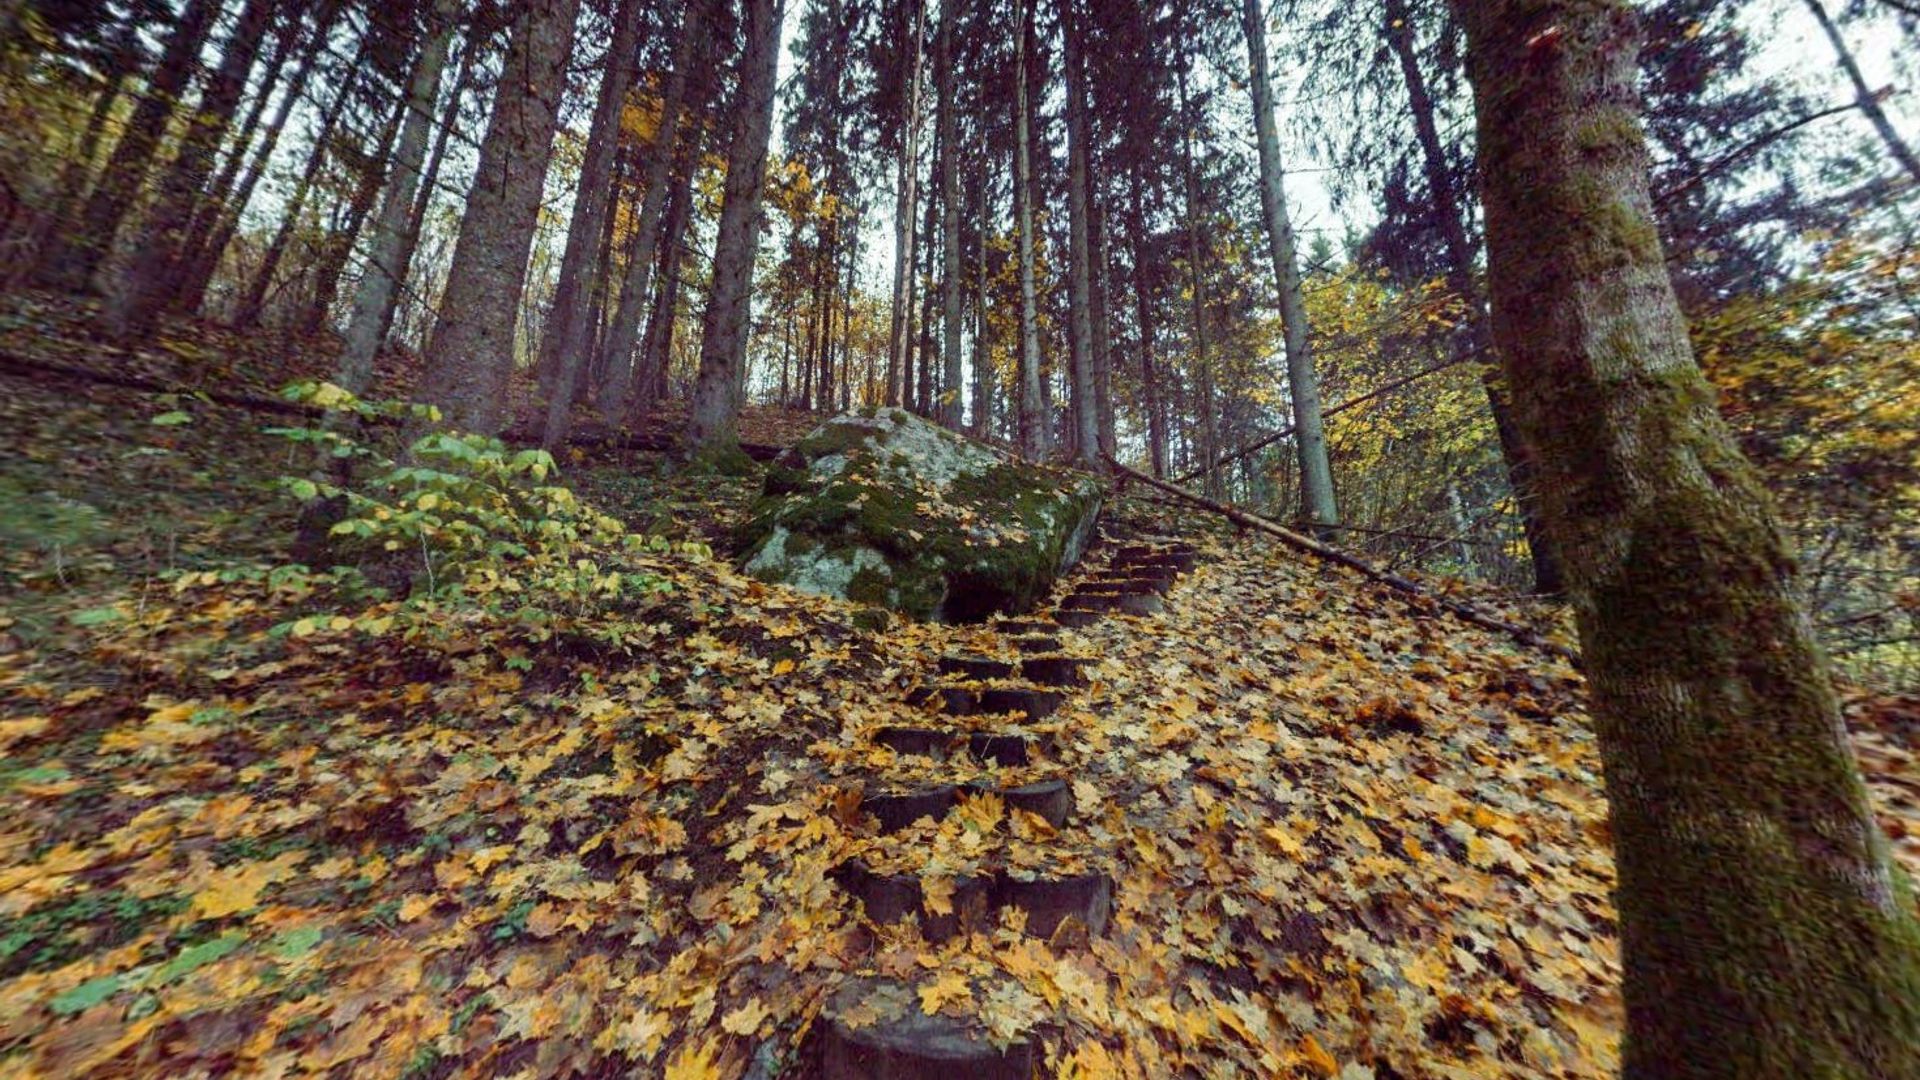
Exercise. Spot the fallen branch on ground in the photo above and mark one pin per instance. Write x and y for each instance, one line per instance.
(1465, 612)
(27, 368)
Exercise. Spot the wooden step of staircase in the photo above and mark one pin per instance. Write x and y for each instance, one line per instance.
(897, 809)
(875, 1029)
(1047, 901)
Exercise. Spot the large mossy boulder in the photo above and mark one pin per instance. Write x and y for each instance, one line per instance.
(883, 507)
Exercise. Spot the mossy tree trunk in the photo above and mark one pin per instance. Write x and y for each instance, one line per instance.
(1766, 934)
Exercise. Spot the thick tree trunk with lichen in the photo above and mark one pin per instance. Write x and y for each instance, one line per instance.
(1765, 932)
(1086, 411)
(715, 410)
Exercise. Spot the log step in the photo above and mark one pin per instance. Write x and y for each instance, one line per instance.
(1050, 799)
(1048, 902)
(1037, 643)
(903, 1043)
(1025, 626)
(1116, 603)
(977, 667)
(1006, 750)
(1078, 620)
(1037, 702)
(1057, 670)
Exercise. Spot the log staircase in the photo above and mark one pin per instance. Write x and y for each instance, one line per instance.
(984, 711)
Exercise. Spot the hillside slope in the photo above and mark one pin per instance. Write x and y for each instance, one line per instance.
(583, 811)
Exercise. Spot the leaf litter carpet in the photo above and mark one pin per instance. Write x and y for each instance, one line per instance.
(1340, 838)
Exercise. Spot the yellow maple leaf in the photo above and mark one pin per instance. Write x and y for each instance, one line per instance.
(1321, 1062)
(783, 667)
(692, 1062)
(416, 905)
(744, 1020)
(936, 894)
(236, 889)
(948, 989)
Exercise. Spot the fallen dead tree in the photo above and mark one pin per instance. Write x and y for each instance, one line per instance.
(1302, 542)
(25, 368)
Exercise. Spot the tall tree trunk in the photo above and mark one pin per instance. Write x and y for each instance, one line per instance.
(1203, 374)
(657, 351)
(846, 317)
(148, 286)
(471, 356)
(1765, 934)
(634, 291)
(213, 205)
(1460, 279)
(76, 173)
(1101, 311)
(564, 348)
(430, 179)
(825, 302)
(983, 373)
(70, 265)
(373, 301)
(338, 247)
(1086, 412)
(1143, 299)
(253, 304)
(1868, 101)
(221, 222)
(1032, 421)
(1309, 434)
(927, 362)
(952, 403)
(728, 323)
(899, 342)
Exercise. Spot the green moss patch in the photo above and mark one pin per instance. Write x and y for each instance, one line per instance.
(884, 508)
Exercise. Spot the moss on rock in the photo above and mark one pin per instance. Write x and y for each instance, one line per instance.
(883, 507)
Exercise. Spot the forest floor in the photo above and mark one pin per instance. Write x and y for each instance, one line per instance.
(252, 821)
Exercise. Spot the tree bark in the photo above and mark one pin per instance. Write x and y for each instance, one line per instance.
(952, 402)
(727, 325)
(253, 304)
(567, 342)
(76, 174)
(1143, 299)
(1316, 472)
(1203, 376)
(224, 221)
(471, 356)
(213, 206)
(657, 351)
(1868, 100)
(983, 373)
(149, 282)
(898, 333)
(70, 264)
(1101, 312)
(373, 300)
(1032, 421)
(1086, 411)
(635, 293)
(1765, 934)
(1450, 207)
(338, 247)
(430, 179)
